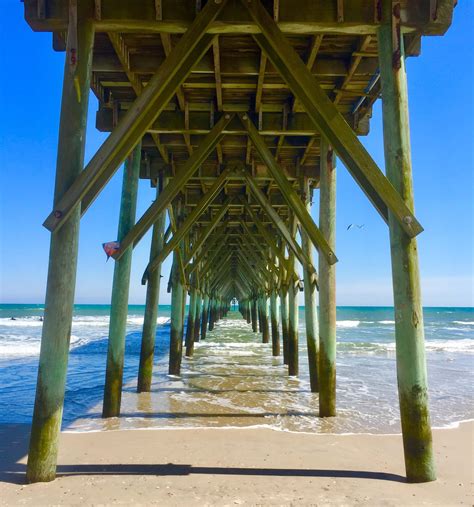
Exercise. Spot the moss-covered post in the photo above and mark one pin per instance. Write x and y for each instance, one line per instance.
(254, 314)
(197, 319)
(409, 330)
(247, 311)
(61, 283)
(176, 328)
(327, 286)
(310, 308)
(264, 319)
(204, 316)
(284, 321)
(190, 324)
(293, 365)
(212, 313)
(274, 322)
(147, 351)
(120, 288)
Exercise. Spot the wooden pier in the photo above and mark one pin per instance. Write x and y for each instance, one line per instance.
(235, 110)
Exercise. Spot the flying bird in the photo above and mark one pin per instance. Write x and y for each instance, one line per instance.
(350, 226)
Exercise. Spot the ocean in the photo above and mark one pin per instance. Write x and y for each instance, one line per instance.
(233, 381)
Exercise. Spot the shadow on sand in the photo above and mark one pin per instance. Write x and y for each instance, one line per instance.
(14, 444)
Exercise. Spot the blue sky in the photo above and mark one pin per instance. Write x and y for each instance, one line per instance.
(441, 115)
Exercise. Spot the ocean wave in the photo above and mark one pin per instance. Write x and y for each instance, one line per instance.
(347, 323)
(464, 322)
(386, 322)
(465, 345)
(27, 322)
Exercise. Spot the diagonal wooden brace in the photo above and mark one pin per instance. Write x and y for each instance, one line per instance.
(174, 186)
(146, 108)
(278, 221)
(187, 224)
(329, 121)
(288, 192)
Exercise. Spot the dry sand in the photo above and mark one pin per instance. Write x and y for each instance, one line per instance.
(235, 467)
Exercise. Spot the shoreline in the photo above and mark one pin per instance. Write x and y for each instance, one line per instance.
(450, 426)
(239, 466)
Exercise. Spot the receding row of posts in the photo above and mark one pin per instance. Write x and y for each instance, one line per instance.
(271, 285)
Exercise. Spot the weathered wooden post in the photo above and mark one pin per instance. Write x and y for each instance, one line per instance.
(284, 321)
(190, 324)
(176, 328)
(327, 286)
(247, 311)
(254, 315)
(56, 334)
(120, 289)
(264, 319)
(147, 351)
(197, 319)
(274, 322)
(310, 309)
(212, 313)
(292, 325)
(205, 316)
(409, 329)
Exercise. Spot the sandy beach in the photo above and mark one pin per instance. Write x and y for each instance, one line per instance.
(235, 467)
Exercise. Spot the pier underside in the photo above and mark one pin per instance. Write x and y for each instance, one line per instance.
(235, 111)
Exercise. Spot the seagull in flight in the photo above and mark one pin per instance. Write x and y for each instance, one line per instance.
(350, 226)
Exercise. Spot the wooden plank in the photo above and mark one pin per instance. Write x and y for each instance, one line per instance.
(330, 122)
(146, 108)
(295, 17)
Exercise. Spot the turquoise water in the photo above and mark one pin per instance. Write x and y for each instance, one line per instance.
(367, 396)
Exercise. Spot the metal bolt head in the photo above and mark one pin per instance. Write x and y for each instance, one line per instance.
(227, 116)
(58, 213)
(407, 220)
(245, 117)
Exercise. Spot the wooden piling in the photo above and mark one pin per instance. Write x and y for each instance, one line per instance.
(197, 318)
(190, 324)
(120, 288)
(147, 350)
(212, 313)
(254, 315)
(293, 365)
(204, 316)
(284, 322)
(56, 334)
(274, 322)
(310, 309)
(264, 319)
(327, 286)
(176, 325)
(409, 329)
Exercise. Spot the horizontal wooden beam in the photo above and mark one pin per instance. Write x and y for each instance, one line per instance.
(295, 17)
(330, 122)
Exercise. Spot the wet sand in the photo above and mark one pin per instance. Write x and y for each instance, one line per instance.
(235, 467)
